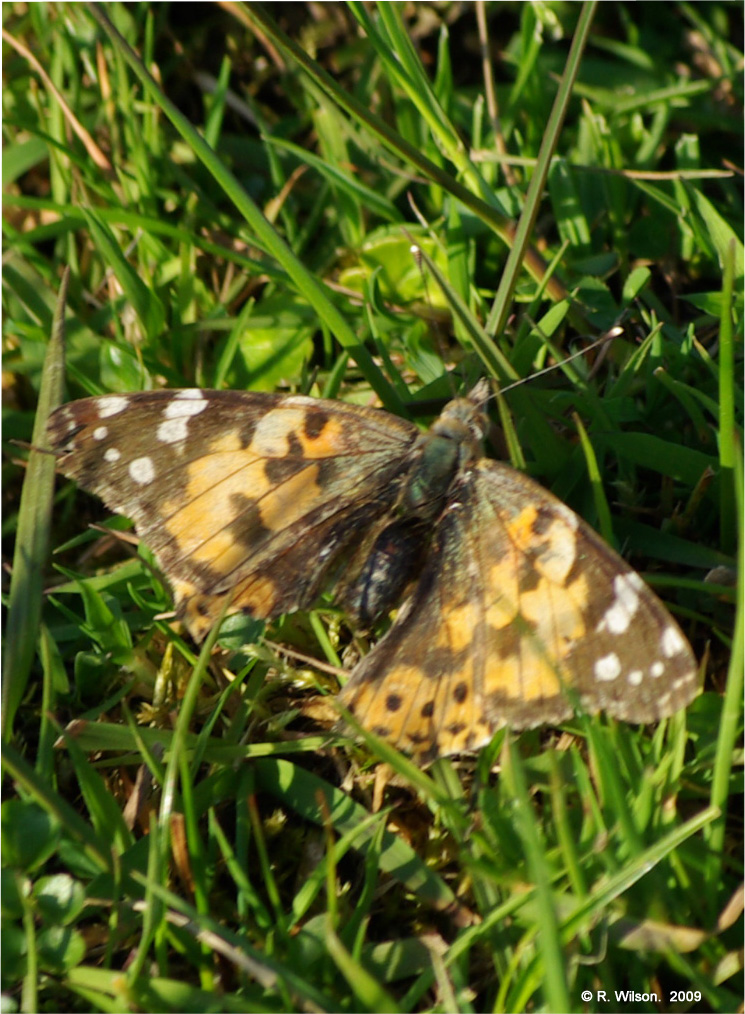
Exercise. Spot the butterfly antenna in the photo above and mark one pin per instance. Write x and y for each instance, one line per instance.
(604, 340)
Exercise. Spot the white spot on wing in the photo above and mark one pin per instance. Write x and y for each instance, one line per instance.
(683, 681)
(142, 470)
(111, 404)
(618, 617)
(672, 642)
(300, 399)
(657, 669)
(608, 667)
(568, 515)
(271, 438)
(635, 677)
(100, 433)
(186, 403)
(111, 454)
(558, 557)
(173, 430)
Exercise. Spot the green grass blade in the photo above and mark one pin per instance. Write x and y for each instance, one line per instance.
(146, 304)
(502, 301)
(372, 201)
(728, 455)
(554, 966)
(34, 520)
(730, 726)
(75, 826)
(605, 523)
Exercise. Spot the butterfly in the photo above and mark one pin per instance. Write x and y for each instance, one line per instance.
(515, 612)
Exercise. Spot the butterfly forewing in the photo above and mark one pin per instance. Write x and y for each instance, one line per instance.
(246, 494)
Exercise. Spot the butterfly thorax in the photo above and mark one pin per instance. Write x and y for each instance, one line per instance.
(452, 443)
(393, 555)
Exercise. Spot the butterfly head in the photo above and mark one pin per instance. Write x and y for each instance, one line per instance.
(464, 420)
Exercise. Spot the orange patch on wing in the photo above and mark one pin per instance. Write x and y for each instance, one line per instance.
(477, 734)
(553, 551)
(227, 443)
(401, 679)
(290, 500)
(458, 742)
(182, 590)
(556, 619)
(503, 593)
(456, 626)
(544, 677)
(198, 611)
(206, 507)
(521, 528)
(368, 700)
(326, 443)
(455, 714)
(557, 558)
(277, 430)
(258, 595)
(579, 592)
(221, 551)
(200, 521)
(526, 676)
(200, 614)
(226, 472)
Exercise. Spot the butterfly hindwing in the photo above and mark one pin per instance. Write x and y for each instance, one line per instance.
(520, 613)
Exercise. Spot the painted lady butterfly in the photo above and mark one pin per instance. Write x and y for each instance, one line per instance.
(518, 611)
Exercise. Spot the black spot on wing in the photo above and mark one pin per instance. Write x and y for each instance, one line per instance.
(245, 430)
(275, 470)
(294, 446)
(460, 693)
(393, 702)
(247, 527)
(314, 424)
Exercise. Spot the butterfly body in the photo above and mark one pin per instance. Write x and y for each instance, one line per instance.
(517, 612)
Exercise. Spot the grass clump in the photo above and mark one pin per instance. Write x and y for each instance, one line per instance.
(235, 193)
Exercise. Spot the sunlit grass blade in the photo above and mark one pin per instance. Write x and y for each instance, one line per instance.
(502, 301)
(728, 453)
(32, 535)
(730, 726)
